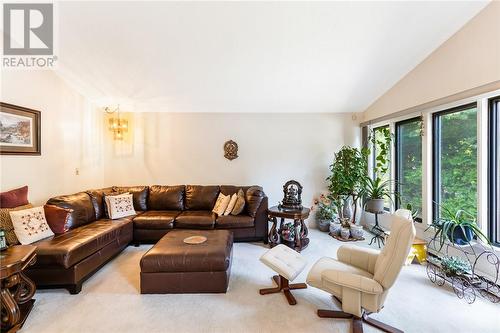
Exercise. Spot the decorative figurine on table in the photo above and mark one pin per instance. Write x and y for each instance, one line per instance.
(292, 196)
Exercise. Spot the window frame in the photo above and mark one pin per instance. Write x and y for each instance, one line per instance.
(436, 152)
(397, 159)
(493, 174)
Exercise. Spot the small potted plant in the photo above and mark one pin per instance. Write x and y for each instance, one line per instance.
(453, 266)
(458, 227)
(414, 212)
(325, 212)
(324, 215)
(375, 192)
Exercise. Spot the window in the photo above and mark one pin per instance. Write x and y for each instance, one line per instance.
(494, 171)
(382, 168)
(455, 159)
(409, 164)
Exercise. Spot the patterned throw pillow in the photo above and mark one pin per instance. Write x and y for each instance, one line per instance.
(231, 204)
(106, 202)
(120, 205)
(6, 223)
(221, 204)
(30, 225)
(240, 203)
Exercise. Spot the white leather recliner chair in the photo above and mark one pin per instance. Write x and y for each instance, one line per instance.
(361, 278)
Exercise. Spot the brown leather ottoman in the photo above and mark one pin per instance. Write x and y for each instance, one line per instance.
(173, 267)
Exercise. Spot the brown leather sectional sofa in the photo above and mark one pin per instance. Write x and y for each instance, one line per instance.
(68, 259)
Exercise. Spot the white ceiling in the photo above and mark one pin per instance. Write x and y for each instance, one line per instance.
(249, 56)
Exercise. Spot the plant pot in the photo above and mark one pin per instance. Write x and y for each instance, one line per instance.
(324, 225)
(375, 205)
(357, 231)
(345, 233)
(335, 228)
(459, 237)
(347, 208)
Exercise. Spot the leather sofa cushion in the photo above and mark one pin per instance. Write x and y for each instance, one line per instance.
(195, 219)
(234, 221)
(71, 247)
(201, 197)
(97, 197)
(166, 197)
(232, 189)
(81, 204)
(171, 254)
(254, 196)
(154, 219)
(139, 194)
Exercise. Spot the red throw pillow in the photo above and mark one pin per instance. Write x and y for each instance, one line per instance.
(14, 198)
(57, 218)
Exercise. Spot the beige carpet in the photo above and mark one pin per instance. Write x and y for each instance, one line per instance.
(110, 302)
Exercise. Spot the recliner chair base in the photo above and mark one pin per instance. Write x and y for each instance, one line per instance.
(285, 286)
(357, 322)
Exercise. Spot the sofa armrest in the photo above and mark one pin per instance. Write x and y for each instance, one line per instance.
(261, 221)
(359, 257)
(354, 281)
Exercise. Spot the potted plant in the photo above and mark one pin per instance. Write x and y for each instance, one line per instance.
(414, 212)
(324, 215)
(381, 138)
(453, 266)
(375, 192)
(458, 227)
(345, 181)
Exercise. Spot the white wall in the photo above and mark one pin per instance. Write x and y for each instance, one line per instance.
(69, 135)
(469, 59)
(175, 148)
(166, 148)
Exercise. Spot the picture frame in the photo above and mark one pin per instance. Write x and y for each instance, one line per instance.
(20, 130)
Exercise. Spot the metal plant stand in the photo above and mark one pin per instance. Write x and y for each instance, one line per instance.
(469, 285)
(379, 233)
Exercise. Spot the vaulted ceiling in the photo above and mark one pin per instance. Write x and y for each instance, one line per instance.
(248, 56)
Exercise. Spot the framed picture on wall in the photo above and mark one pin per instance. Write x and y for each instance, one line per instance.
(20, 130)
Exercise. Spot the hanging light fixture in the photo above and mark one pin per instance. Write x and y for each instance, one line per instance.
(117, 125)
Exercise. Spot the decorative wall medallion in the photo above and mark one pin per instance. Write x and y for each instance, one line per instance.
(230, 150)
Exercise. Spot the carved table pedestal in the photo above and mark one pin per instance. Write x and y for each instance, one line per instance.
(298, 216)
(17, 290)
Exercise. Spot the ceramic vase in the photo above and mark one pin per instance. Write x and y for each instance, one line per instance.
(357, 231)
(345, 233)
(335, 228)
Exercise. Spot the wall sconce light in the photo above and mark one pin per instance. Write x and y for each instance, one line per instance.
(117, 125)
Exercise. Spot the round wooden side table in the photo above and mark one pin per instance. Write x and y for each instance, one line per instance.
(298, 216)
(17, 289)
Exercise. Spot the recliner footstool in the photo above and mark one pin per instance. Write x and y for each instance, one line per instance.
(288, 264)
